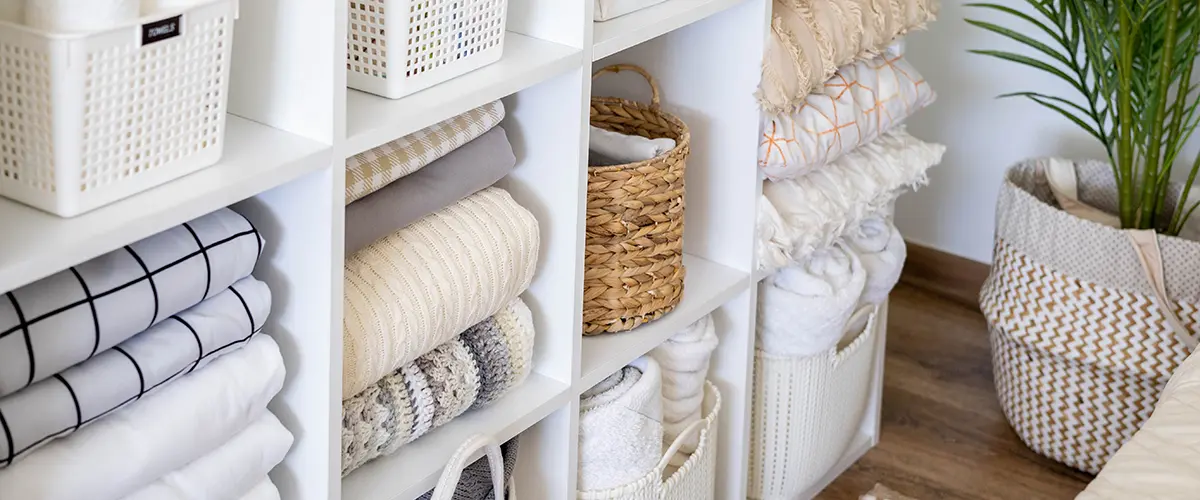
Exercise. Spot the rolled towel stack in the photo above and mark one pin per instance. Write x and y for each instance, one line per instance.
(118, 373)
(620, 427)
(803, 309)
(471, 371)
(879, 246)
(684, 361)
(436, 260)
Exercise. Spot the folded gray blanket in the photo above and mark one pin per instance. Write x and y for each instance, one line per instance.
(463, 171)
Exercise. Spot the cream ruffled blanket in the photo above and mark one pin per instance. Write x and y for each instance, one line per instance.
(803, 309)
(799, 216)
(811, 39)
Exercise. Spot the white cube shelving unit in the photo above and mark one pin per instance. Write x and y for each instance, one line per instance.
(293, 123)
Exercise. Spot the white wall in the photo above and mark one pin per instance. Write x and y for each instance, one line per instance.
(983, 135)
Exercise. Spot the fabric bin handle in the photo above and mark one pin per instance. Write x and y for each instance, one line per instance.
(1061, 176)
(448, 483)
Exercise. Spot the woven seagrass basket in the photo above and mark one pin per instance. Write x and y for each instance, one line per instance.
(633, 258)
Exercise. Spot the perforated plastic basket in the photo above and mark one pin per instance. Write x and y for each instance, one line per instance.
(398, 47)
(88, 119)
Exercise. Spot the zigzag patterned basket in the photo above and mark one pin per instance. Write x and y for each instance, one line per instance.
(1080, 349)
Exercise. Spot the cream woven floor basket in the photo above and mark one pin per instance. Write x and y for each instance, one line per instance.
(694, 480)
(1081, 344)
(806, 412)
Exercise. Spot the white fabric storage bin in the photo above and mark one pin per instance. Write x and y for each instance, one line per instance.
(694, 480)
(91, 118)
(608, 9)
(806, 412)
(399, 47)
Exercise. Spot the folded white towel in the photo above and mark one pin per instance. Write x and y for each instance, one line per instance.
(882, 251)
(265, 490)
(165, 431)
(684, 360)
(230, 471)
(803, 309)
(86, 392)
(627, 148)
(620, 427)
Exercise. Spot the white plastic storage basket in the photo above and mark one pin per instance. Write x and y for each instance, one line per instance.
(806, 412)
(398, 47)
(694, 480)
(88, 119)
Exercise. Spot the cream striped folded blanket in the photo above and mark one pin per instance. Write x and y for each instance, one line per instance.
(471, 371)
(370, 171)
(420, 287)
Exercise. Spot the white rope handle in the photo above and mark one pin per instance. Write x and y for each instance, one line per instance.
(683, 437)
(458, 461)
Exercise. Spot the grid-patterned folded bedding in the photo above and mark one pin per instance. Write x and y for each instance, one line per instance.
(423, 285)
(471, 371)
(68, 317)
(370, 171)
(91, 390)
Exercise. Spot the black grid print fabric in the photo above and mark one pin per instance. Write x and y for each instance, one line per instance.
(57, 406)
(52, 324)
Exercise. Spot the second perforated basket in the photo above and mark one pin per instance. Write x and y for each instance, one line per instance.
(399, 47)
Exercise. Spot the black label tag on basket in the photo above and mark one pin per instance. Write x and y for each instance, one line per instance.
(165, 29)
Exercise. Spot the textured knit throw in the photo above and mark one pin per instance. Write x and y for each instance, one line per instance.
(420, 287)
(370, 171)
(470, 371)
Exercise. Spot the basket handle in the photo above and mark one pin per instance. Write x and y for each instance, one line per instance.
(617, 68)
(448, 483)
(683, 437)
(1061, 176)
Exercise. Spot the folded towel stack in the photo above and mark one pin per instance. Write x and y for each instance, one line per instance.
(139, 374)
(620, 427)
(684, 360)
(436, 260)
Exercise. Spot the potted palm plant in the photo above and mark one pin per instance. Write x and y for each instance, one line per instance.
(1093, 299)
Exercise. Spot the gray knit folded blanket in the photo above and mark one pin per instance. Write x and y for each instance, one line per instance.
(473, 370)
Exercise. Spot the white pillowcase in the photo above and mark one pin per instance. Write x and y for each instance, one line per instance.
(860, 102)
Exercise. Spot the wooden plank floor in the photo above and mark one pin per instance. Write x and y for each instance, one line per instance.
(944, 435)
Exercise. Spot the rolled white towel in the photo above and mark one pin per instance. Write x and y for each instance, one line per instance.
(231, 471)
(803, 309)
(684, 359)
(879, 246)
(627, 148)
(620, 427)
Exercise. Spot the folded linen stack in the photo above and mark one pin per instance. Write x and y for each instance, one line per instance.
(436, 260)
(150, 350)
